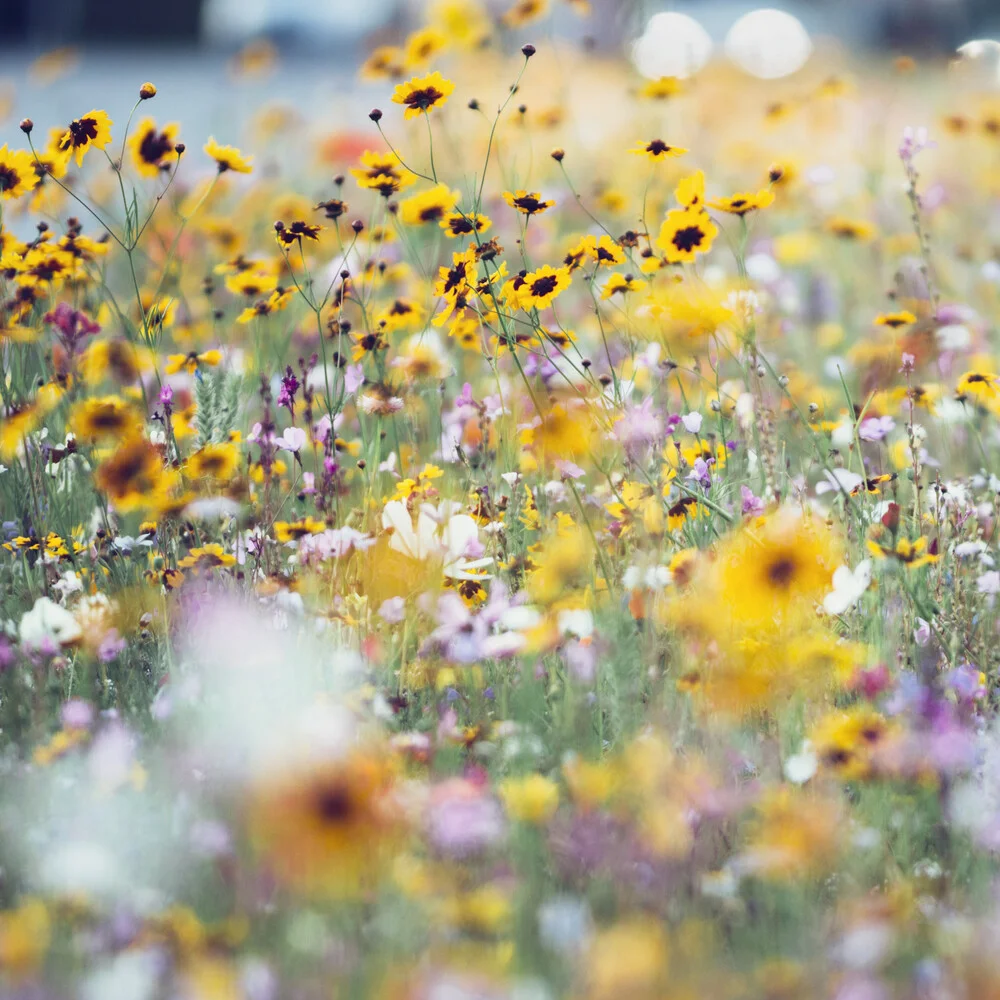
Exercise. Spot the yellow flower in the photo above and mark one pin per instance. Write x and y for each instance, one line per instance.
(662, 89)
(603, 250)
(93, 129)
(979, 385)
(525, 11)
(531, 799)
(629, 960)
(845, 742)
(896, 319)
(657, 149)
(386, 62)
(108, 417)
(422, 94)
(742, 203)
(17, 172)
(457, 224)
(423, 45)
(228, 157)
(428, 206)
(383, 172)
(191, 361)
(794, 834)
(527, 202)
(206, 558)
(622, 284)
(685, 233)
(327, 829)
(25, 933)
(541, 287)
(464, 22)
(851, 229)
(292, 531)
(912, 555)
(213, 461)
(690, 191)
(150, 148)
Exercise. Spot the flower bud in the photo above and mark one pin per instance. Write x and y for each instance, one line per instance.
(146, 91)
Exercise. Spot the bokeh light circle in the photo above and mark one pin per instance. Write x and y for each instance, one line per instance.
(769, 43)
(978, 62)
(672, 45)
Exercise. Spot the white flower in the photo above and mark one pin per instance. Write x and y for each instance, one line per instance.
(68, 583)
(692, 422)
(578, 622)
(848, 587)
(989, 583)
(452, 539)
(800, 767)
(292, 439)
(838, 480)
(48, 624)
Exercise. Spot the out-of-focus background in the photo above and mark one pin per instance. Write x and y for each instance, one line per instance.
(96, 47)
(337, 27)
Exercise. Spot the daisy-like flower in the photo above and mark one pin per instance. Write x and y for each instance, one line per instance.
(452, 539)
(684, 234)
(525, 11)
(93, 129)
(690, 190)
(150, 147)
(540, 288)
(99, 419)
(228, 157)
(292, 531)
(851, 229)
(603, 250)
(387, 62)
(383, 172)
(456, 224)
(742, 203)
(423, 45)
(527, 202)
(896, 319)
(912, 555)
(17, 172)
(422, 94)
(622, 284)
(662, 89)
(291, 233)
(657, 149)
(213, 461)
(205, 558)
(428, 206)
(191, 361)
(978, 385)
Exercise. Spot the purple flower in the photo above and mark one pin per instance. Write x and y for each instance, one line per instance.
(701, 474)
(111, 646)
(751, 505)
(289, 387)
(875, 428)
(73, 326)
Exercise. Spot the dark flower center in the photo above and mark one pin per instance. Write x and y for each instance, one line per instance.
(154, 147)
(83, 131)
(334, 804)
(544, 286)
(657, 146)
(424, 98)
(9, 178)
(782, 571)
(688, 238)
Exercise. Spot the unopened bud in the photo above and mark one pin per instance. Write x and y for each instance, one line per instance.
(528, 50)
(146, 91)
(27, 125)
(557, 154)
(375, 114)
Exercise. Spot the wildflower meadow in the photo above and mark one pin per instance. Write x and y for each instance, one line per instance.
(535, 540)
